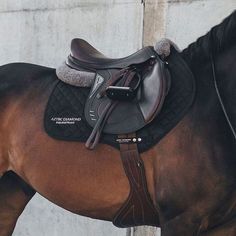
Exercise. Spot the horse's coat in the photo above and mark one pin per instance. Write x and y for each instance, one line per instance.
(190, 173)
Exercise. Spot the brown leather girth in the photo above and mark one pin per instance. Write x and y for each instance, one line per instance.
(138, 208)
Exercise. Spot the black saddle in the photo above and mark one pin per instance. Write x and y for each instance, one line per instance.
(127, 93)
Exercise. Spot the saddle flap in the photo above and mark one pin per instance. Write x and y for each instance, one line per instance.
(154, 90)
(128, 116)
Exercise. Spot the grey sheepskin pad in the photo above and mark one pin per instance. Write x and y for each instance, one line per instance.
(163, 47)
(75, 77)
(86, 79)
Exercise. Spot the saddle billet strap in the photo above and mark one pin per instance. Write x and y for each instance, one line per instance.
(138, 208)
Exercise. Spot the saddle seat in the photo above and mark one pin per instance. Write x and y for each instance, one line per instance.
(85, 55)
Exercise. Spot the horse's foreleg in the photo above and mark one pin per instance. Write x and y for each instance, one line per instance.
(14, 196)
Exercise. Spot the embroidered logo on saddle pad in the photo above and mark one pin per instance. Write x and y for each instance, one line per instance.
(65, 120)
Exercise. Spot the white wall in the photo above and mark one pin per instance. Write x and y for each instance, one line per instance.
(39, 31)
(42, 218)
(188, 20)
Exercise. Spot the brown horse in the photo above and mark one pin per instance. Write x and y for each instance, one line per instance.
(190, 172)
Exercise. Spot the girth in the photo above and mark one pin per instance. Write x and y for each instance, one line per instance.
(138, 208)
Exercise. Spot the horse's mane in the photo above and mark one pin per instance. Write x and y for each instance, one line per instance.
(217, 39)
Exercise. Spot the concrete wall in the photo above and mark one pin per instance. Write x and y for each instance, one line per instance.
(42, 218)
(188, 20)
(183, 21)
(39, 31)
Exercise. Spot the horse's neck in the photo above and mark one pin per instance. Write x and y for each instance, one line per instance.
(207, 117)
(195, 156)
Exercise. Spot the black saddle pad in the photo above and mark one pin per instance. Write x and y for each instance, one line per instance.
(65, 120)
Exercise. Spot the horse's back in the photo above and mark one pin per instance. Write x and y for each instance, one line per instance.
(19, 77)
